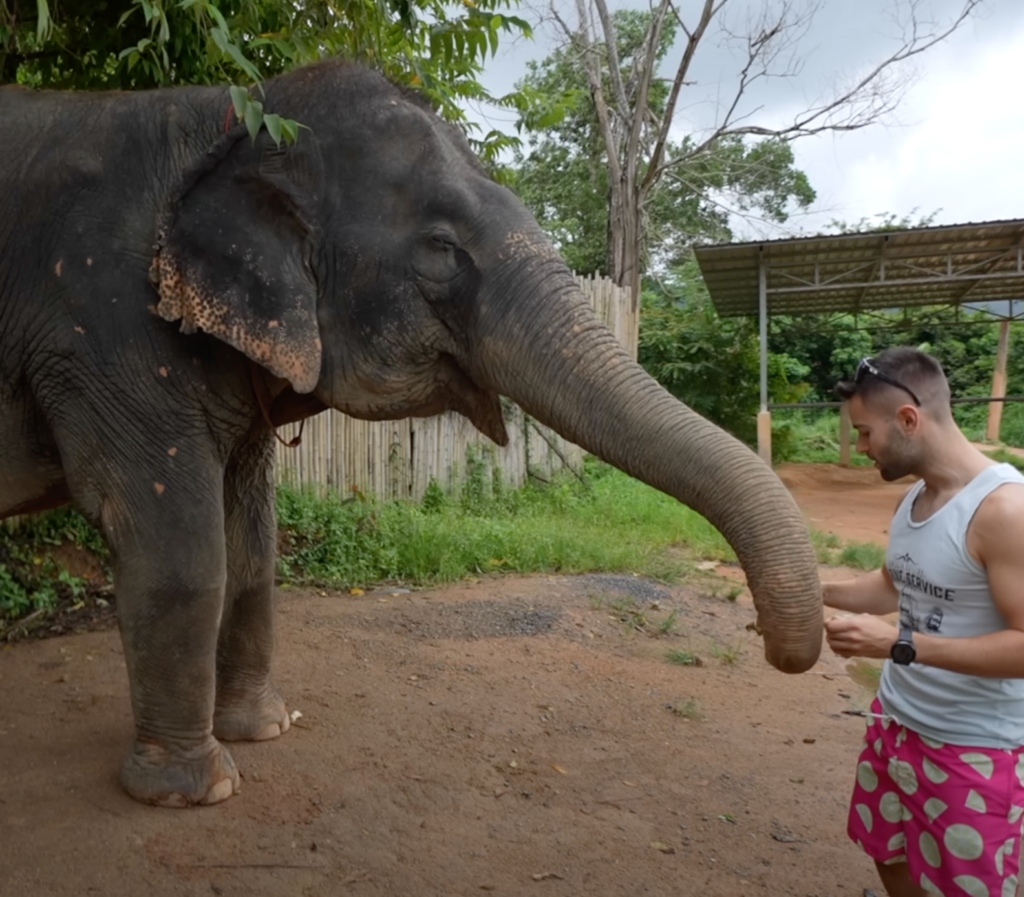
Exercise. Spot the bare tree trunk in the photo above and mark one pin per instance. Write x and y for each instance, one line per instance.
(770, 44)
(625, 237)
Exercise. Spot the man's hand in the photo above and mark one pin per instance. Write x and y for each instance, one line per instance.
(861, 636)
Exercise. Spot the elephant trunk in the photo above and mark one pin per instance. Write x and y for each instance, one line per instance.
(545, 349)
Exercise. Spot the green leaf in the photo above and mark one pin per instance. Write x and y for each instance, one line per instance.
(215, 14)
(254, 117)
(239, 99)
(44, 24)
(220, 37)
(243, 63)
(274, 126)
(290, 127)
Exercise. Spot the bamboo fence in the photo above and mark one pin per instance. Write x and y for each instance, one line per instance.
(398, 459)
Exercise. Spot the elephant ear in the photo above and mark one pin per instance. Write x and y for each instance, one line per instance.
(234, 253)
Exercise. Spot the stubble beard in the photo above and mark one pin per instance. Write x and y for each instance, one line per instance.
(901, 458)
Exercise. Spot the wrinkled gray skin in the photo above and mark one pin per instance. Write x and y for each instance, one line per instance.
(158, 275)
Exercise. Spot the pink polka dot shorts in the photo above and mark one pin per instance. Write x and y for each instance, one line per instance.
(952, 813)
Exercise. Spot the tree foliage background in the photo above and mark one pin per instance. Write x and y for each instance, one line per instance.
(436, 46)
(562, 173)
(712, 363)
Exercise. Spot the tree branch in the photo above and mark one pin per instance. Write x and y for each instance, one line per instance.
(593, 68)
(614, 68)
(867, 101)
(711, 9)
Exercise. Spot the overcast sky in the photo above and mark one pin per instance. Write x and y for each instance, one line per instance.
(955, 147)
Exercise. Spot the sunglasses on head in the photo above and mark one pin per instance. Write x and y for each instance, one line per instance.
(867, 366)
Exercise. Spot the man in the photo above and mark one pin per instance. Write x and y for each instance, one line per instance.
(939, 793)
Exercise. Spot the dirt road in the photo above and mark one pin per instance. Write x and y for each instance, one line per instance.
(517, 736)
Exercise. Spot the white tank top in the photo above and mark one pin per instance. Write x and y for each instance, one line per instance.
(945, 592)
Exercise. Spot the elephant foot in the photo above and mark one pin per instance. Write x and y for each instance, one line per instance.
(250, 717)
(155, 775)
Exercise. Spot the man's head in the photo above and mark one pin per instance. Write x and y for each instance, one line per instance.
(899, 405)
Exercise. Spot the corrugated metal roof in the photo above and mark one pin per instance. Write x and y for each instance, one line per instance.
(948, 265)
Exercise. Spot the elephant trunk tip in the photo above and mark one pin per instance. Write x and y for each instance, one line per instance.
(791, 661)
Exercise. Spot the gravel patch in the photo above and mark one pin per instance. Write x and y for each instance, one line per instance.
(471, 620)
(636, 587)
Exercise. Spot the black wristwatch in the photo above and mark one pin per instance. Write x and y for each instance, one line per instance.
(903, 651)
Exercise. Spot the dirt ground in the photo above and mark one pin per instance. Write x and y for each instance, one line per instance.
(518, 736)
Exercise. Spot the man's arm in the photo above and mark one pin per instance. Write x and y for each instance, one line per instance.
(995, 540)
(873, 593)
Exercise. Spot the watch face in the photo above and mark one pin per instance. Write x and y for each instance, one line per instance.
(903, 653)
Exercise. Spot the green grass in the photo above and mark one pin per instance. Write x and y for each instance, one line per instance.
(727, 654)
(618, 524)
(1003, 456)
(668, 625)
(810, 437)
(615, 523)
(30, 579)
(688, 709)
(863, 555)
(832, 551)
(682, 658)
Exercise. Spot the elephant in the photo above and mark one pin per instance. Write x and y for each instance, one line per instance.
(172, 290)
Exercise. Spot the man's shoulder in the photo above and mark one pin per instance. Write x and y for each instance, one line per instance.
(1004, 504)
(998, 522)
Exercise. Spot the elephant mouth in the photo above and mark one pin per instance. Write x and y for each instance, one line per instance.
(481, 406)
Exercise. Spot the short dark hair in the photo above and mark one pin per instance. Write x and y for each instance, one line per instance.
(903, 367)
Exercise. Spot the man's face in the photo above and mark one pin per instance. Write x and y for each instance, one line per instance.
(882, 435)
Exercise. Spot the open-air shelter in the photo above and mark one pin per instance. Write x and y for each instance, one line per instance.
(978, 266)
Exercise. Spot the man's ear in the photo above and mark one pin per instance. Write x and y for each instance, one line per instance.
(909, 418)
(235, 250)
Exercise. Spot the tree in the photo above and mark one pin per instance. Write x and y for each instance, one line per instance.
(563, 177)
(436, 46)
(635, 124)
(710, 363)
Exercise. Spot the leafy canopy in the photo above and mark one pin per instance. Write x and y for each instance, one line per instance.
(710, 363)
(436, 46)
(562, 174)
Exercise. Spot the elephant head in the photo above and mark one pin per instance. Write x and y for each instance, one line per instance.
(375, 268)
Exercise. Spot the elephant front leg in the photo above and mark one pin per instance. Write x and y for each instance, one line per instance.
(248, 707)
(170, 593)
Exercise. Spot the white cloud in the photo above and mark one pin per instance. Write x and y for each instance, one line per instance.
(960, 151)
(959, 144)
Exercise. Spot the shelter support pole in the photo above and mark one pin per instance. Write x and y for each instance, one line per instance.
(844, 435)
(764, 417)
(995, 409)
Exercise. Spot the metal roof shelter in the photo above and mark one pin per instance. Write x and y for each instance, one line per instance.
(960, 264)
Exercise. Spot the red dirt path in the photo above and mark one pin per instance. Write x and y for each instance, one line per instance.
(512, 736)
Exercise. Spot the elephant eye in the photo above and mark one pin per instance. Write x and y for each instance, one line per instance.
(443, 241)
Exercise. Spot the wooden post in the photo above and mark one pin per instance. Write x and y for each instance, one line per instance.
(844, 435)
(764, 436)
(995, 409)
